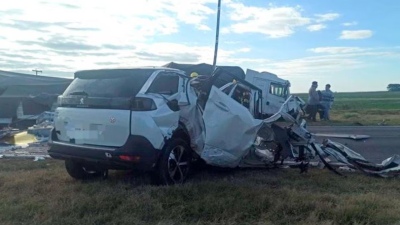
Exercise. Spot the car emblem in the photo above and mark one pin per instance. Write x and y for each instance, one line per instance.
(112, 120)
(82, 101)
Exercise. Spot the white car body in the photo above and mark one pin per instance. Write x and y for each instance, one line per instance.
(128, 118)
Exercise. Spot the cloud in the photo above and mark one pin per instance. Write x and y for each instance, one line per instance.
(316, 27)
(118, 47)
(70, 6)
(310, 66)
(330, 61)
(244, 50)
(166, 52)
(11, 12)
(13, 55)
(204, 27)
(23, 64)
(348, 24)
(62, 43)
(31, 25)
(327, 17)
(67, 45)
(356, 34)
(107, 63)
(185, 57)
(272, 21)
(82, 53)
(336, 50)
(194, 12)
(82, 28)
(62, 4)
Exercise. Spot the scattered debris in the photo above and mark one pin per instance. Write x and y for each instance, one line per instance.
(38, 158)
(349, 136)
(8, 132)
(43, 125)
(32, 143)
(383, 123)
(346, 168)
(388, 168)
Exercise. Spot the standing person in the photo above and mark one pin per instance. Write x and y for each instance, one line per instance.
(313, 101)
(327, 101)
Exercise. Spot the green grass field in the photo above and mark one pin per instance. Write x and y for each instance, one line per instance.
(43, 193)
(366, 108)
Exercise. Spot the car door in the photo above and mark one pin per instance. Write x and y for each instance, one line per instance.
(230, 130)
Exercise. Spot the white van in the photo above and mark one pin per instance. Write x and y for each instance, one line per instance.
(275, 91)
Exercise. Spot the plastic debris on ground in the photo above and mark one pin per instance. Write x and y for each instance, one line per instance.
(32, 143)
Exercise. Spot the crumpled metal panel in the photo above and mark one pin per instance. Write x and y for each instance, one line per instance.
(230, 130)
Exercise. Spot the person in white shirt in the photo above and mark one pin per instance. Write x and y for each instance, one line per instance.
(327, 101)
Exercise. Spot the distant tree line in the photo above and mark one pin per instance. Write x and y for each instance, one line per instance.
(393, 87)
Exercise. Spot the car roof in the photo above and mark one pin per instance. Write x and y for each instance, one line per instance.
(148, 70)
(133, 68)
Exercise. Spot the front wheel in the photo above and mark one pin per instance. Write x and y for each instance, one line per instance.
(175, 163)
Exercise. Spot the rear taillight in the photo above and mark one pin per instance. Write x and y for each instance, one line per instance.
(129, 158)
(143, 104)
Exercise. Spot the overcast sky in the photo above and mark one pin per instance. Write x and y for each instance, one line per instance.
(353, 45)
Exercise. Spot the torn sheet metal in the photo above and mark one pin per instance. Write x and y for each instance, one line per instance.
(164, 118)
(388, 168)
(301, 138)
(348, 136)
(230, 130)
(191, 116)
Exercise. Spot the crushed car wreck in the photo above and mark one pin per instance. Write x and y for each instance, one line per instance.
(161, 120)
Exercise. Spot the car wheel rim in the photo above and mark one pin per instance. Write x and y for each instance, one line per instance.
(178, 164)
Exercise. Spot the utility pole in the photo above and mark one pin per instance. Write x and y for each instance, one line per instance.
(217, 36)
(37, 71)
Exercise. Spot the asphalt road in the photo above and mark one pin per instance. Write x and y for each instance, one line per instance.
(383, 142)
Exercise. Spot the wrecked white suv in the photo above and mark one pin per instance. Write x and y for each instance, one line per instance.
(123, 119)
(160, 120)
(151, 119)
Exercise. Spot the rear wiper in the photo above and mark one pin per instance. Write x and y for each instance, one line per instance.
(79, 93)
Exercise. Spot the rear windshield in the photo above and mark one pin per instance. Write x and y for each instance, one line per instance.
(108, 84)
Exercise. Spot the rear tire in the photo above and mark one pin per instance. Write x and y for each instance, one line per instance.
(175, 163)
(80, 172)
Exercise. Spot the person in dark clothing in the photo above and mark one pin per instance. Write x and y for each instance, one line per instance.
(313, 101)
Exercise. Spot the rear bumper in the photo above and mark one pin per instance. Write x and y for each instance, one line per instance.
(137, 153)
